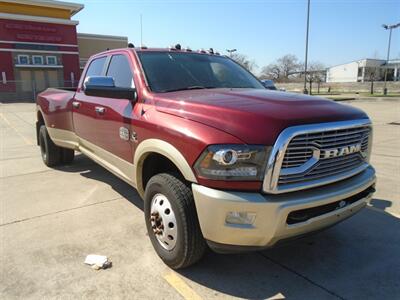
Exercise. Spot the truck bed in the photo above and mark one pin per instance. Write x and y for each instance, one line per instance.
(56, 107)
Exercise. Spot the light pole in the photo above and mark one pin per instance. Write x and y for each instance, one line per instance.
(305, 91)
(230, 51)
(388, 27)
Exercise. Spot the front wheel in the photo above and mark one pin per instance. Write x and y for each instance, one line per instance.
(171, 221)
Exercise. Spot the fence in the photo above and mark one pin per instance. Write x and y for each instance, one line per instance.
(343, 87)
(27, 90)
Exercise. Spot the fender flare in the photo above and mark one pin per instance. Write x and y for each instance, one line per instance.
(166, 149)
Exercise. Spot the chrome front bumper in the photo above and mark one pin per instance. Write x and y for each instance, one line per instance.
(272, 211)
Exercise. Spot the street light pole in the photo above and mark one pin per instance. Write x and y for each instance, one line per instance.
(305, 91)
(388, 27)
(230, 51)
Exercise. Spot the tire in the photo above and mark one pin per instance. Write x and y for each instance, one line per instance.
(67, 155)
(164, 192)
(51, 153)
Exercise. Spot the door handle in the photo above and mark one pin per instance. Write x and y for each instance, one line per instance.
(76, 104)
(100, 110)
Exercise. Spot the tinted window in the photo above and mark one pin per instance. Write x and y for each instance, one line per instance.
(96, 67)
(120, 70)
(167, 71)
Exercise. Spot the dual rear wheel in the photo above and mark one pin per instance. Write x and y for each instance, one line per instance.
(53, 155)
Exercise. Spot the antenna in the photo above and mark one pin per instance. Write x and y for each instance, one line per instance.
(141, 31)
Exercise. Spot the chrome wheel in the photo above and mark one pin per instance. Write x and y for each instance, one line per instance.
(163, 221)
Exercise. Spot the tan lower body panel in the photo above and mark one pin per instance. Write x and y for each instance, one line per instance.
(272, 211)
(64, 138)
(116, 165)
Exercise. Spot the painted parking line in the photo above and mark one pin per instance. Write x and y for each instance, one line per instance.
(181, 286)
(25, 139)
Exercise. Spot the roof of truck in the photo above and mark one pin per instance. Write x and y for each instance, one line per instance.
(170, 49)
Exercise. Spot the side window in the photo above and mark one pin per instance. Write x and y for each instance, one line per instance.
(96, 67)
(120, 70)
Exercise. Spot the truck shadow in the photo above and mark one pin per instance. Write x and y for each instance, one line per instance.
(357, 259)
(89, 169)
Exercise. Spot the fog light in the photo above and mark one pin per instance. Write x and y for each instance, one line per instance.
(240, 217)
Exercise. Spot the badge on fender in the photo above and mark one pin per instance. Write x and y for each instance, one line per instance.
(124, 133)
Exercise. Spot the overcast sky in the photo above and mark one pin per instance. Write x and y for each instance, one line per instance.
(340, 30)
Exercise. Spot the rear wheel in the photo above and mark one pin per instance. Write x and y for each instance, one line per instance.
(67, 155)
(171, 221)
(51, 153)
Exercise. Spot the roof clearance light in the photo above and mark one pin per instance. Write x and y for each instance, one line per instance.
(188, 49)
(178, 47)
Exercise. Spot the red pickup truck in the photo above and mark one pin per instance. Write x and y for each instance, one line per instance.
(218, 160)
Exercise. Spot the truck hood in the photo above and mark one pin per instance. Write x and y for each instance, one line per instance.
(255, 116)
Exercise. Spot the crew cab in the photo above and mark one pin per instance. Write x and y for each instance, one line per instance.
(219, 160)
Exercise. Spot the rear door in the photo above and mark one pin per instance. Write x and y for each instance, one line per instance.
(114, 127)
(84, 107)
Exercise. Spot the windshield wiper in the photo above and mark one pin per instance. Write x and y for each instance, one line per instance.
(193, 87)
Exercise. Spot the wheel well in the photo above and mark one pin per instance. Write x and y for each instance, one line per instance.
(156, 163)
(39, 122)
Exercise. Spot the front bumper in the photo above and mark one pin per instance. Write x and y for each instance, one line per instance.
(272, 211)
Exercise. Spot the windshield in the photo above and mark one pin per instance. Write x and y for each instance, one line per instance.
(169, 71)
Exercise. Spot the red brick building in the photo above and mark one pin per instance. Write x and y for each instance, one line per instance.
(39, 46)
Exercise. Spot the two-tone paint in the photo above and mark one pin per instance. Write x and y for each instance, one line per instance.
(120, 134)
(187, 120)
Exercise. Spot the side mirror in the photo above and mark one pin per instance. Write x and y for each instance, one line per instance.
(103, 86)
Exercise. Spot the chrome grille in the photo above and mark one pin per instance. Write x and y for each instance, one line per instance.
(327, 167)
(301, 149)
(331, 139)
(296, 156)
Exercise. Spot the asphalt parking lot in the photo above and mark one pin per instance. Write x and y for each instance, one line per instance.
(50, 219)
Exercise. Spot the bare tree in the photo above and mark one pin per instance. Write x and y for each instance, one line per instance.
(272, 71)
(316, 73)
(244, 61)
(289, 64)
(280, 70)
(372, 74)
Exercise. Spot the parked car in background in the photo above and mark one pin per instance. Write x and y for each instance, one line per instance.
(269, 84)
(218, 160)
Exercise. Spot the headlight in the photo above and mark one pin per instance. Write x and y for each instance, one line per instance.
(233, 162)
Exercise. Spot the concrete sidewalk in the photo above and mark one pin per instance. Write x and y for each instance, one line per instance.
(50, 219)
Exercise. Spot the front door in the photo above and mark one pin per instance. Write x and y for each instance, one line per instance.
(84, 107)
(114, 130)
